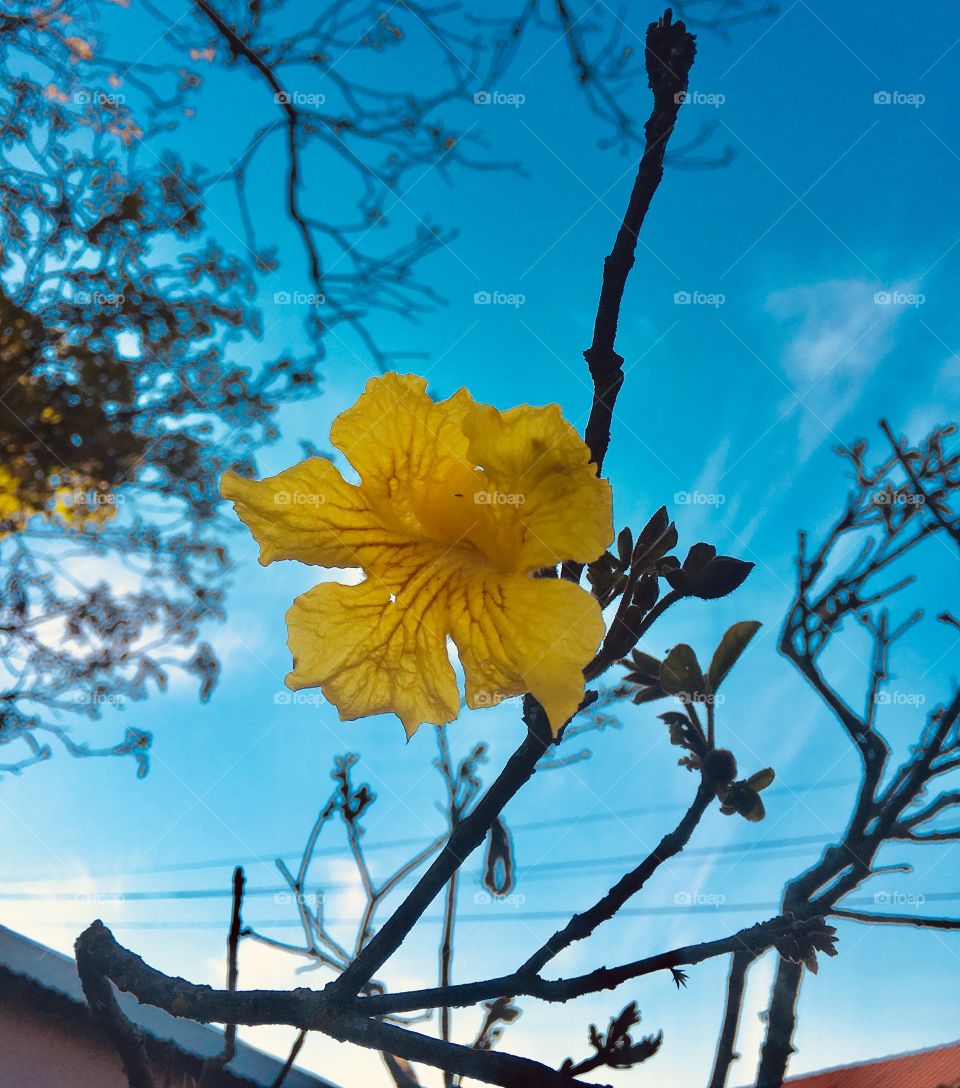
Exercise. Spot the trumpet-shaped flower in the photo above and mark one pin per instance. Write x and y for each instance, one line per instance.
(457, 507)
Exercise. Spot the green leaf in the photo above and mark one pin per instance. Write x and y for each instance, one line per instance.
(644, 669)
(731, 646)
(722, 575)
(761, 779)
(649, 694)
(755, 811)
(677, 724)
(698, 557)
(654, 528)
(680, 673)
(659, 535)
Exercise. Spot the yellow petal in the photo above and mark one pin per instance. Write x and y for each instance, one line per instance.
(544, 497)
(410, 453)
(372, 653)
(517, 634)
(456, 506)
(310, 513)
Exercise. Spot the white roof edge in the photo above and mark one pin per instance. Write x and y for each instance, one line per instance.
(57, 973)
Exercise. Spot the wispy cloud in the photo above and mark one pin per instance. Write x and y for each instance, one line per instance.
(837, 334)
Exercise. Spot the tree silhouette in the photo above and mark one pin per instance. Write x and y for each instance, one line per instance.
(129, 307)
(898, 502)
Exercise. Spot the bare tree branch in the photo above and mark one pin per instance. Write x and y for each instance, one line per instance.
(670, 52)
(726, 1055)
(895, 919)
(582, 925)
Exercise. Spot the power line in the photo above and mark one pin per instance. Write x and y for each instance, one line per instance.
(421, 841)
(502, 913)
(538, 870)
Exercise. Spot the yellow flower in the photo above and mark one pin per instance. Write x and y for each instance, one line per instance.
(78, 507)
(458, 505)
(9, 502)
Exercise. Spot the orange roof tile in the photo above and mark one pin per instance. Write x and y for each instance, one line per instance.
(938, 1067)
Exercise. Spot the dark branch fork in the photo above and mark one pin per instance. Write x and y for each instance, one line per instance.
(901, 516)
(315, 1009)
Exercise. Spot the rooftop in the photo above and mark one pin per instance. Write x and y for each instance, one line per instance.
(44, 972)
(936, 1067)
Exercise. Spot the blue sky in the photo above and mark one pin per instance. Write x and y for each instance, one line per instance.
(736, 397)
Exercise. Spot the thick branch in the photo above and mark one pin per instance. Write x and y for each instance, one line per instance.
(781, 1021)
(99, 952)
(464, 839)
(233, 948)
(125, 1037)
(489, 1066)
(754, 939)
(727, 1041)
(101, 959)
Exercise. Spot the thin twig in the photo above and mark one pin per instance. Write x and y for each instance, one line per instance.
(463, 840)
(950, 527)
(291, 1058)
(582, 925)
(233, 943)
(895, 919)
